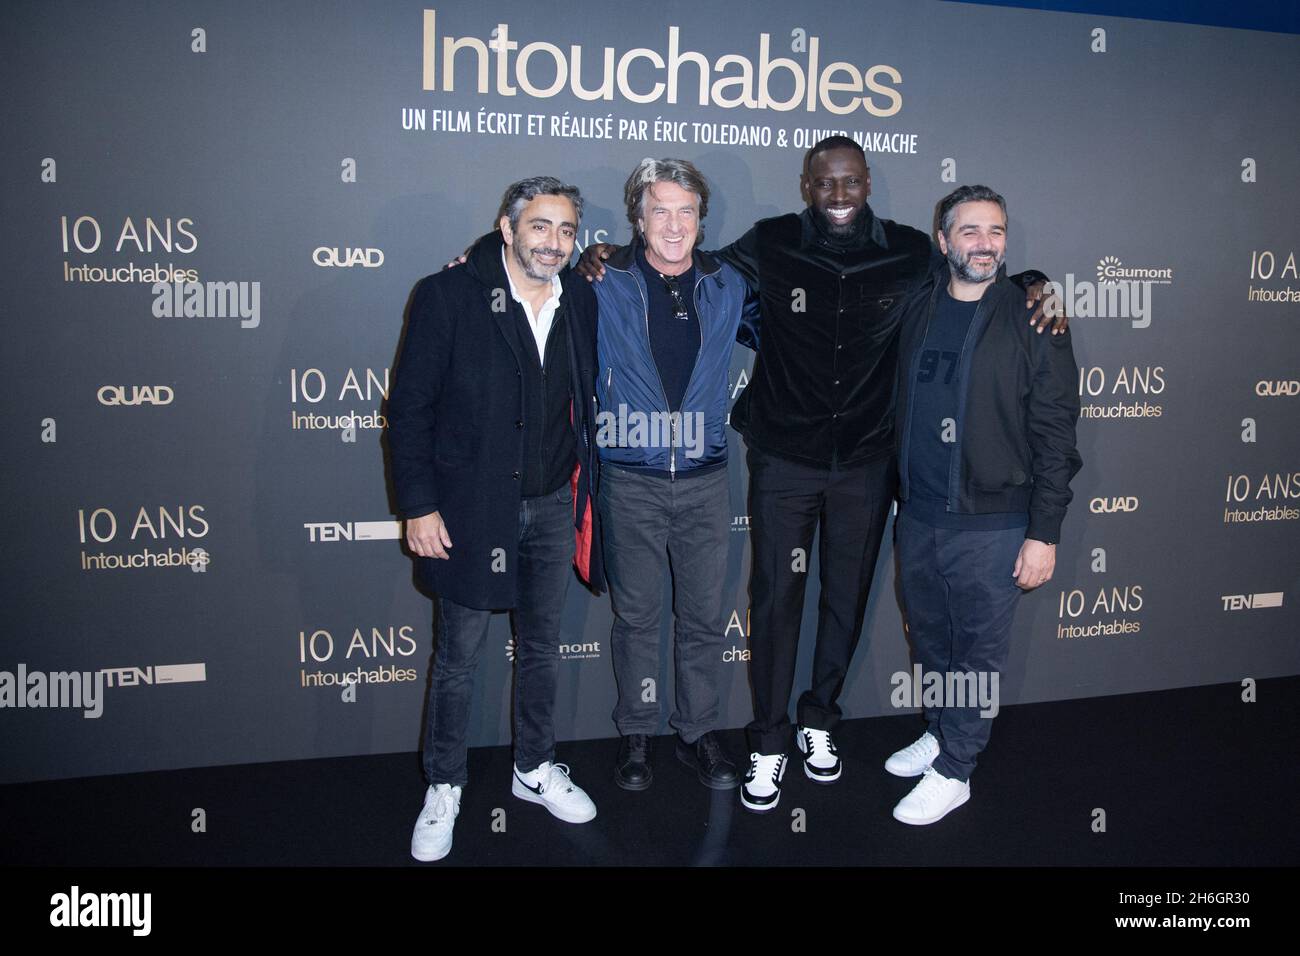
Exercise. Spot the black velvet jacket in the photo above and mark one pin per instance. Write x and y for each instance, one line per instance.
(823, 382)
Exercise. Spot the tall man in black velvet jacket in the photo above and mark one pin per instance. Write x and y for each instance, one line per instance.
(817, 417)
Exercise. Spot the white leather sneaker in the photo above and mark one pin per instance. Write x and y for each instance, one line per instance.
(914, 759)
(932, 799)
(762, 787)
(550, 786)
(821, 761)
(432, 837)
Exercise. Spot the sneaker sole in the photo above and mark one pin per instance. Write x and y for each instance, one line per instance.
(523, 793)
(759, 808)
(815, 777)
(914, 773)
(926, 822)
(430, 858)
(821, 778)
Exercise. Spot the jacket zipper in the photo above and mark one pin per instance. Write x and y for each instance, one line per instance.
(904, 465)
(672, 431)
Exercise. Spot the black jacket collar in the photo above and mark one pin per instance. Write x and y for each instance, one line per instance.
(483, 262)
(814, 234)
(1001, 285)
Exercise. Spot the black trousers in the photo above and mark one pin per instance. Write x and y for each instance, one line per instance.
(788, 502)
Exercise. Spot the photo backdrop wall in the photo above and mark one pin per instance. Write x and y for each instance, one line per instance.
(198, 515)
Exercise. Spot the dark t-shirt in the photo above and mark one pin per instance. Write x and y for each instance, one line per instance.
(932, 428)
(674, 340)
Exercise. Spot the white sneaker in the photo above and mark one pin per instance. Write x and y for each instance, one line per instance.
(914, 759)
(762, 787)
(550, 786)
(432, 837)
(932, 799)
(821, 760)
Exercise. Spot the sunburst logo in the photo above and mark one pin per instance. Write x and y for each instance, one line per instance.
(1106, 269)
(510, 650)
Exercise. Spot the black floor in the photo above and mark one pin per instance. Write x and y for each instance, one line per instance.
(1190, 777)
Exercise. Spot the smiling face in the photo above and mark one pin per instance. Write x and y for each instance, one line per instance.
(670, 223)
(542, 240)
(836, 185)
(976, 242)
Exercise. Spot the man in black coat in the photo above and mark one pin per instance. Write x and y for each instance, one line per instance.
(492, 444)
(986, 415)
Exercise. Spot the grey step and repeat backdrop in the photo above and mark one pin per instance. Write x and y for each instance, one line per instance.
(197, 512)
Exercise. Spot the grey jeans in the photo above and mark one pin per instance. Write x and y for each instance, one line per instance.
(651, 525)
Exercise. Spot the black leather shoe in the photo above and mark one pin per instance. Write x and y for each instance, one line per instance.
(632, 770)
(709, 761)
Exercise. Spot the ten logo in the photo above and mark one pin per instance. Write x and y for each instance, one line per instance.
(1242, 602)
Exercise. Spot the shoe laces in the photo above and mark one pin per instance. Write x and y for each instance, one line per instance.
(819, 740)
(918, 748)
(563, 784)
(444, 803)
(931, 783)
(710, 747)
(776, 767)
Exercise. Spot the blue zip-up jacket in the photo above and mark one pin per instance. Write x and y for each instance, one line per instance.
(634, 427)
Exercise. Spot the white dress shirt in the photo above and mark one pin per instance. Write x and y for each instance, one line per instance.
(541, 323)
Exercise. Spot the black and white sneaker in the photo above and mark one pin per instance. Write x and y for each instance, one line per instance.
(821, 761)
(762, 787)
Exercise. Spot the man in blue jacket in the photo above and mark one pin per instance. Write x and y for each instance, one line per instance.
(986, 415)
(492, 447)
(669, 315)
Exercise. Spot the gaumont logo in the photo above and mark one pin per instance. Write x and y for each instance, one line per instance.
(647, 75)
(1247, 602)
(1277, 388)
(135, 395)
(1109, 506)
(1110, 270)
(327, 256)
(318, 531)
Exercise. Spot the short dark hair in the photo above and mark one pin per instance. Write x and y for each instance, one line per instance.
(650, 171)
(520, 194)
(962, 194)
(827, 144)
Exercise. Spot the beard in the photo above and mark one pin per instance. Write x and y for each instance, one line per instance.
(840, 230)
(961, 265)
(537, 271)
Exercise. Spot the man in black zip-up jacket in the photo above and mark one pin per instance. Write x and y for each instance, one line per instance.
(986, 413)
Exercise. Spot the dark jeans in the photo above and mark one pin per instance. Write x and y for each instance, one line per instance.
(960, 598)
(648, 523)
(545, 553)
(788, 502)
